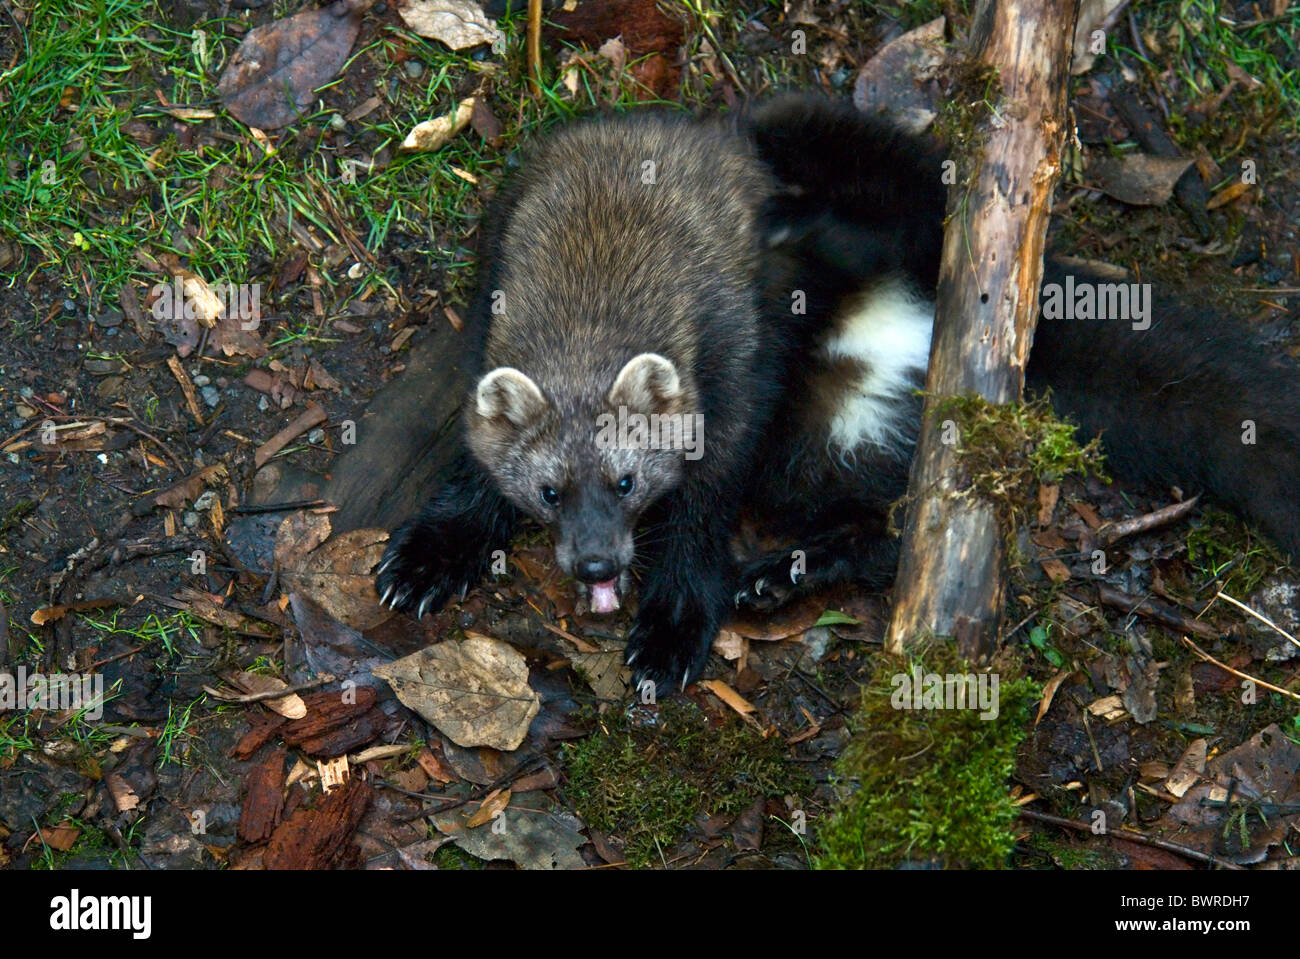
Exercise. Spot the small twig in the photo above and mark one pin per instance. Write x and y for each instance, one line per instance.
(141, 431)
(1259, 616)
(1240, 675)
(535, 47)
(1112, 532)
(322, 680)
(1162, 613)
(112, 659)
(278, 507)
(1136, 837)
(582, 644)
(312, 416)
(1087, 728)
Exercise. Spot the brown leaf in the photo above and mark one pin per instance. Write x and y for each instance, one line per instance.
(897, 81)
(475, 692)
(1139, 179)
(124, 797)
(1229, 194)
(729, 696)
(62, 837)
(1189, 769)
(433, 134)
(1048, 494)
(493, 803)
(1049, 693)
(290, 706)
(458, 23)
(604, 672)
(337, 575)
(188, 489)
(485, 123)
(1057, 571)
(435, 768)
(273, 76)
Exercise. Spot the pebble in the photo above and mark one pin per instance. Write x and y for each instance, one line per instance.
(211, 395)
(263, 404)
(190, 518)
(204, 502)
(414, 69)
(201, 380)
(316, 436)
(109, 318)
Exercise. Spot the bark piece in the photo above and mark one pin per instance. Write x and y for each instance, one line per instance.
(263, 798)
(321, 838)
(332, 726)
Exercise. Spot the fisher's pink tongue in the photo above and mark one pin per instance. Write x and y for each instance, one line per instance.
(604, 596)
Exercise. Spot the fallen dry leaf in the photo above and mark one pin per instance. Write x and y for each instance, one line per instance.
(1094, 15)
(1229, 194)
(289, 706)
(1108, 708)
(433, 134)
(273, 76)
(61, 837)
(1049, 692)
(529, 839)
(897, 81)
(729, 696)
(458, 23)
(337, 576)
(124, 797)
(604, 672)
(1138, 179)
(1057, 571)
(475, 692)
(1189, 769)
(494, 802)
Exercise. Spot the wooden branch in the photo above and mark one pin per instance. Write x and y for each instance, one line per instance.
(951, 575)
(535, 47)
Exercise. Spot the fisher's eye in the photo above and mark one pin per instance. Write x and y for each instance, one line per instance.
(625, 485)
(550, 496)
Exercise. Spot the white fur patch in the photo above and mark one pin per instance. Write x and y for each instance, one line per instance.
(889, 332)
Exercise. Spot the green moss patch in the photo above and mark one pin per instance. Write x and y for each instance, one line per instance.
(644, 784)
(928, 786)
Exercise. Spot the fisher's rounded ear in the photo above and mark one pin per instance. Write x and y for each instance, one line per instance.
(508, 393)
(648, 383)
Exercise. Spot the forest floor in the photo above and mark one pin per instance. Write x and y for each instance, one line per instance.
(146, 464)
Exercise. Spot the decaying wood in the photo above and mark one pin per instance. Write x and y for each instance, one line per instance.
(1113, 532)
(332, 727)
(1155, 610)
(951, 576)
(263, 728)
(312, 416)
(321, 838)
(263, 798)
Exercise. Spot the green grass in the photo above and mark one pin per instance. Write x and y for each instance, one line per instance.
(82, 194)
(152, 630)
(1199, 39)
(173, 745)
